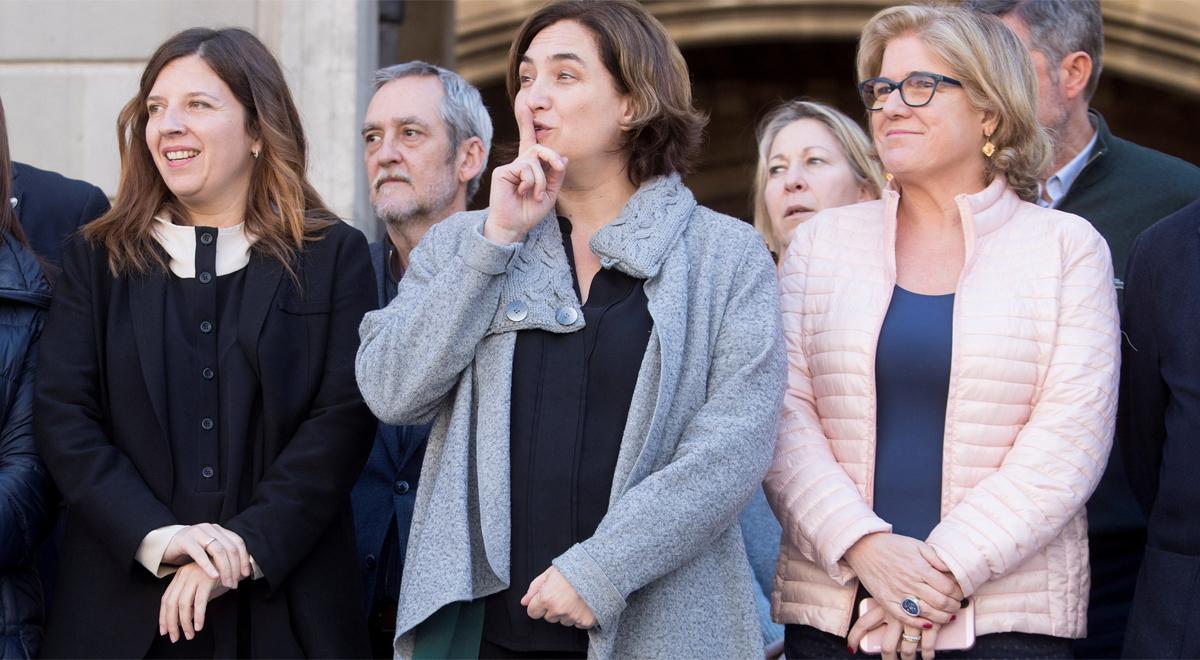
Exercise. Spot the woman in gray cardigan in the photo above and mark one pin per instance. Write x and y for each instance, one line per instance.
(602, 361)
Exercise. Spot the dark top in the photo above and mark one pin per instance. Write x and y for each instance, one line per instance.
(51, 207)
(202, 361)
(1158, 423)
(25, 486)
(1159, 415)
(103, 417)
(1123, 189)
(912, 378)
(570, 400)
(385, 494)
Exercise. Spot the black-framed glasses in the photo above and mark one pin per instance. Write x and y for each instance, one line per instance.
(916, 90)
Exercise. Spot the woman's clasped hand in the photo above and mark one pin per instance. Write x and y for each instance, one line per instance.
(552, 598)
(213, 560)
(893, 567)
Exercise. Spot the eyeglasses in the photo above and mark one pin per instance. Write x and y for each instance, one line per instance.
(916, 90)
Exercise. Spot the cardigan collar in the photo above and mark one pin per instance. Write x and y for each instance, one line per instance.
(538, 292)
(638, 239)
(179, 241)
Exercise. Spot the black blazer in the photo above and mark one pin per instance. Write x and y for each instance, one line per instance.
(51, 207)
(100, 419)
(1158, 424)
(386, 490)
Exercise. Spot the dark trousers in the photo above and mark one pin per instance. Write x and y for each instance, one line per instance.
(1115, 559)
(808, 642)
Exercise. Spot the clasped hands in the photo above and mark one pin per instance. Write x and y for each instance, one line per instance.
(552, 598)
(212, 560)
(893, 567)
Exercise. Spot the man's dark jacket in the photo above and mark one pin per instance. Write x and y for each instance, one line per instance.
(1123, 189)
(387, 490)
(1159, 427)
(51, 207)
(25, 488)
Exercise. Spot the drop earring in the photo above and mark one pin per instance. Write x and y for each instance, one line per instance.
(254, 152)
(988, 147)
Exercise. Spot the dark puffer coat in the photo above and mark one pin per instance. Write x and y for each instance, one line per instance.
(26, 498)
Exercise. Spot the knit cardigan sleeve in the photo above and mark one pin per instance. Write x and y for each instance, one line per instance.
(1058, 456)
(414, 349)
(670, 516)
(817, 503)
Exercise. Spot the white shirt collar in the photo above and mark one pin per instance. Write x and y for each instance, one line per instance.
(1056, 186)
(233, 247)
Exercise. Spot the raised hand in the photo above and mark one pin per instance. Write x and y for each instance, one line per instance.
(525, 190)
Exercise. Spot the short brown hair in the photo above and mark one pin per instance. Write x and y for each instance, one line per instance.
(996, 74)
(645, 63)
(283, 209)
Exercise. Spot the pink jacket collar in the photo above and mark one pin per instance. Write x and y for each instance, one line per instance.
(981, 213)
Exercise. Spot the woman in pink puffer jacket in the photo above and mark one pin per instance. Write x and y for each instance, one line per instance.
(953, 354)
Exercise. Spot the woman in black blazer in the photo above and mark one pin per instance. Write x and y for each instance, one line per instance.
(196, 401)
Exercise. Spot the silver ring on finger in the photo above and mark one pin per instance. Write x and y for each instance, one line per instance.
(910, 638)
(911, 605)
(206, 543)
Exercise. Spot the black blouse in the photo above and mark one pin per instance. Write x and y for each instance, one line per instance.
(570, 400)
(206, 423)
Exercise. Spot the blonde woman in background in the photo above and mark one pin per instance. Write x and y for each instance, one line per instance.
(811, 157)
(953, 353)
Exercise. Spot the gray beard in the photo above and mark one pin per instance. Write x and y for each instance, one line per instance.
(417, 211)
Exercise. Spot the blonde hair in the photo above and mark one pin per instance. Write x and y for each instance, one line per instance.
(854, 142)
(996, 74)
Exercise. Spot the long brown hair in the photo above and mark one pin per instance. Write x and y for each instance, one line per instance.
(283, 209)
(645, 63)
(8, 217)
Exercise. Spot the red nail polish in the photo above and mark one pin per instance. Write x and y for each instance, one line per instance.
(927, 626)
(953, 617)
(850, 649)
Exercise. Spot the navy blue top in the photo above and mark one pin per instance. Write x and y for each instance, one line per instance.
(912, 378)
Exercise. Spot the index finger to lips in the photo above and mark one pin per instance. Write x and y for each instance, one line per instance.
(525, 128)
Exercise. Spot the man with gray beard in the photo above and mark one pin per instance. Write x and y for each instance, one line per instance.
(426, 136)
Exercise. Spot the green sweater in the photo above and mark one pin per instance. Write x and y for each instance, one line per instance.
(1124, 188)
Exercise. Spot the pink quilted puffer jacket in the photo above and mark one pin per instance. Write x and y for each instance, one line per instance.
(1029, 420)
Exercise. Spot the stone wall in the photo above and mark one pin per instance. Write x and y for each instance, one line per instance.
(68, 66)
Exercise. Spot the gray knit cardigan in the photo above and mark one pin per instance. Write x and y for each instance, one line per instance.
(665, 573)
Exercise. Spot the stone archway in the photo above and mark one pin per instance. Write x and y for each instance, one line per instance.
(746, 54)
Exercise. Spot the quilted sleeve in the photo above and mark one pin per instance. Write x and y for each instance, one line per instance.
(817, 503)
(1058, 456)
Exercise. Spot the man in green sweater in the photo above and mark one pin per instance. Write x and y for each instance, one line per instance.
(1121, 188)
